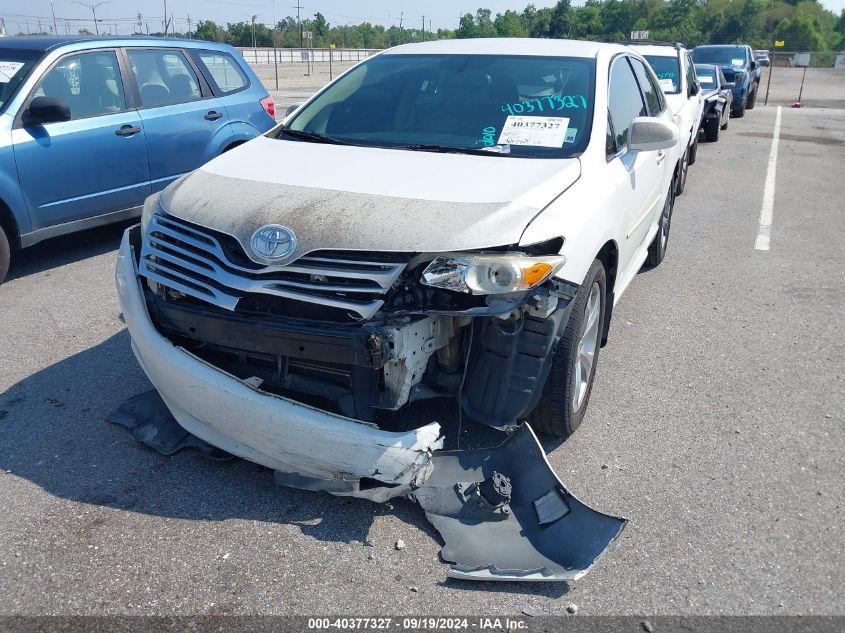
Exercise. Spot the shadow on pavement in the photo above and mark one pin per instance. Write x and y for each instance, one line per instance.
(67, 249)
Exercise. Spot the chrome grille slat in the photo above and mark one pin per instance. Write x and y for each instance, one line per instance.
(185, 258)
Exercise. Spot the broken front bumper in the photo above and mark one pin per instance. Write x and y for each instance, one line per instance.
(270, 430)
(503, 513)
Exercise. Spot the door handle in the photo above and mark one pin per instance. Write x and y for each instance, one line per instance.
(660, 157)
(213, 116)
(127, 130)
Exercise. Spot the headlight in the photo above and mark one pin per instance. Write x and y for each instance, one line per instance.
(490, 274)
(151, 206)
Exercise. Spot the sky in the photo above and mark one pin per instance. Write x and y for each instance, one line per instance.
(121, 15)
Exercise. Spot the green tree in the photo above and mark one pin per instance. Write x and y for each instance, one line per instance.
(561, 22)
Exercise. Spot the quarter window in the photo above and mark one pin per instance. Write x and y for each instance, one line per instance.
(164, 77)
(625, 101)
(89, 83)
(224, 71)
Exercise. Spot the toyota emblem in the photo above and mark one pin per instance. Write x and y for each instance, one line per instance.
(273, 241)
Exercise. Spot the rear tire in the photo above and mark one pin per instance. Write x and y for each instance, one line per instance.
(657, 248)
(566, 393)
(711, 131)
(725, 124)
(5, 254)
(751, 99)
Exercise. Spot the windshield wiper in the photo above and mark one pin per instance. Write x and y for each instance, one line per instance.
(448, 149)
(312, 137)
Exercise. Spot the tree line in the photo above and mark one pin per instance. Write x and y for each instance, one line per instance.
(803, 25)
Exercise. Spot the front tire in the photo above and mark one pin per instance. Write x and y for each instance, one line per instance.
(567, 390)
(738, 112)
(693, 149)
(5, 254)
(711, 131)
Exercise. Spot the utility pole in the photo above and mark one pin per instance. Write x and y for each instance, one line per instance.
(189, 27)
(140, 22)
(401, 19)
(423, 31)
(93, 8)
(298, 21)
(53, 11)
(253, 30)
(165, 18)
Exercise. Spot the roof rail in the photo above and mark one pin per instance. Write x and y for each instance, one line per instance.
(677, 45)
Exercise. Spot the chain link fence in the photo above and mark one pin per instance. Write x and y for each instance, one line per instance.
(813, 79)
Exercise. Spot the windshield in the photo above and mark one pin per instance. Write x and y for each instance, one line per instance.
(721, 55)
(15, 65)
(706, 76)
(518, 106)
(667, 71)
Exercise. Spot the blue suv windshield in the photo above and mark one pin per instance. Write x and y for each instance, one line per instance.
(519, 106)
(15, 66)
(727, 56)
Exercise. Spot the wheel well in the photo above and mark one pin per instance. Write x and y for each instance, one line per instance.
(232, 146)
(10, 226)
(609, 257)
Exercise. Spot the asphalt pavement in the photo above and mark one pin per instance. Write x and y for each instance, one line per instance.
(715, 427)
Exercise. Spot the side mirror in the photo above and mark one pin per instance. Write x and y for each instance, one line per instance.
(694, 89)
(293, 107)
(753, 64)
(729, 85)
(648, 134)
(46, 110)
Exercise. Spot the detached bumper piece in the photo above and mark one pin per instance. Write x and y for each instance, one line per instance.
(504, 515)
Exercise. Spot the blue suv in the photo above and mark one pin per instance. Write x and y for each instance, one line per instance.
(89, 127)
(739, 66)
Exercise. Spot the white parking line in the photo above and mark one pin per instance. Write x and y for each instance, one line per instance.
(764, 234)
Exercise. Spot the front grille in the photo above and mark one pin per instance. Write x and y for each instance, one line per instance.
(191, 259)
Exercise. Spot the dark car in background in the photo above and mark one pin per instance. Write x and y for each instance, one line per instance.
(717, 100)
(91, 126)
(739, 67)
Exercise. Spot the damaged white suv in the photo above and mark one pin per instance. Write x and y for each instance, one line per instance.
(452, 219)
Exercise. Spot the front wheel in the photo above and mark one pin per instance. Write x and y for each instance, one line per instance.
(567, 390)
(693, 150)
(738, 112)
(5, 254)
(711, 131)
(751, 100)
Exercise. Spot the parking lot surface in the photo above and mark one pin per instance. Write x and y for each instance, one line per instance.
(715, 427)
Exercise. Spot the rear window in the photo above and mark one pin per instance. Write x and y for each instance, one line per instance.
(668, 72)
(15, 66)
(224, 71)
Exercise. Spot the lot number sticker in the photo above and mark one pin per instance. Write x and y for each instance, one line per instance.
(539, 131)
(8, 70)
(666, 84)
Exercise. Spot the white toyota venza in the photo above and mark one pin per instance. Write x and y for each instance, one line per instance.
(451, 220)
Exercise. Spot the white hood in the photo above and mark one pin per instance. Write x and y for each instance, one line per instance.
(343, 197)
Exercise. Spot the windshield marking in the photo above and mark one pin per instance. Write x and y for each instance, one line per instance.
(555, 103)
(8, 70)
(488, 137)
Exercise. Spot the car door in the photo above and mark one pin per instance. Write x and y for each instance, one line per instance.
(694, 96)
(93, 164)
(185, 125)
(637, 176)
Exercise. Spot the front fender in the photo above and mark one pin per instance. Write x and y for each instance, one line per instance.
(10, 188)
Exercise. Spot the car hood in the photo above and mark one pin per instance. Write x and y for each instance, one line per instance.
(344, 197)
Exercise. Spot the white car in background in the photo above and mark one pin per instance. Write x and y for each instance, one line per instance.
(453, 220)
(676, 73)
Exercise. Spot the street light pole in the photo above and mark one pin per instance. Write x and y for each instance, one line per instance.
(93, 8)
(253, 30)
(53, 11)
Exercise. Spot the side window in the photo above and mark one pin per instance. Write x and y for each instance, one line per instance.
(624, 100)
(164, 77)
(89, 82)
(224, 71)
(691, 78)
(652, 93)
